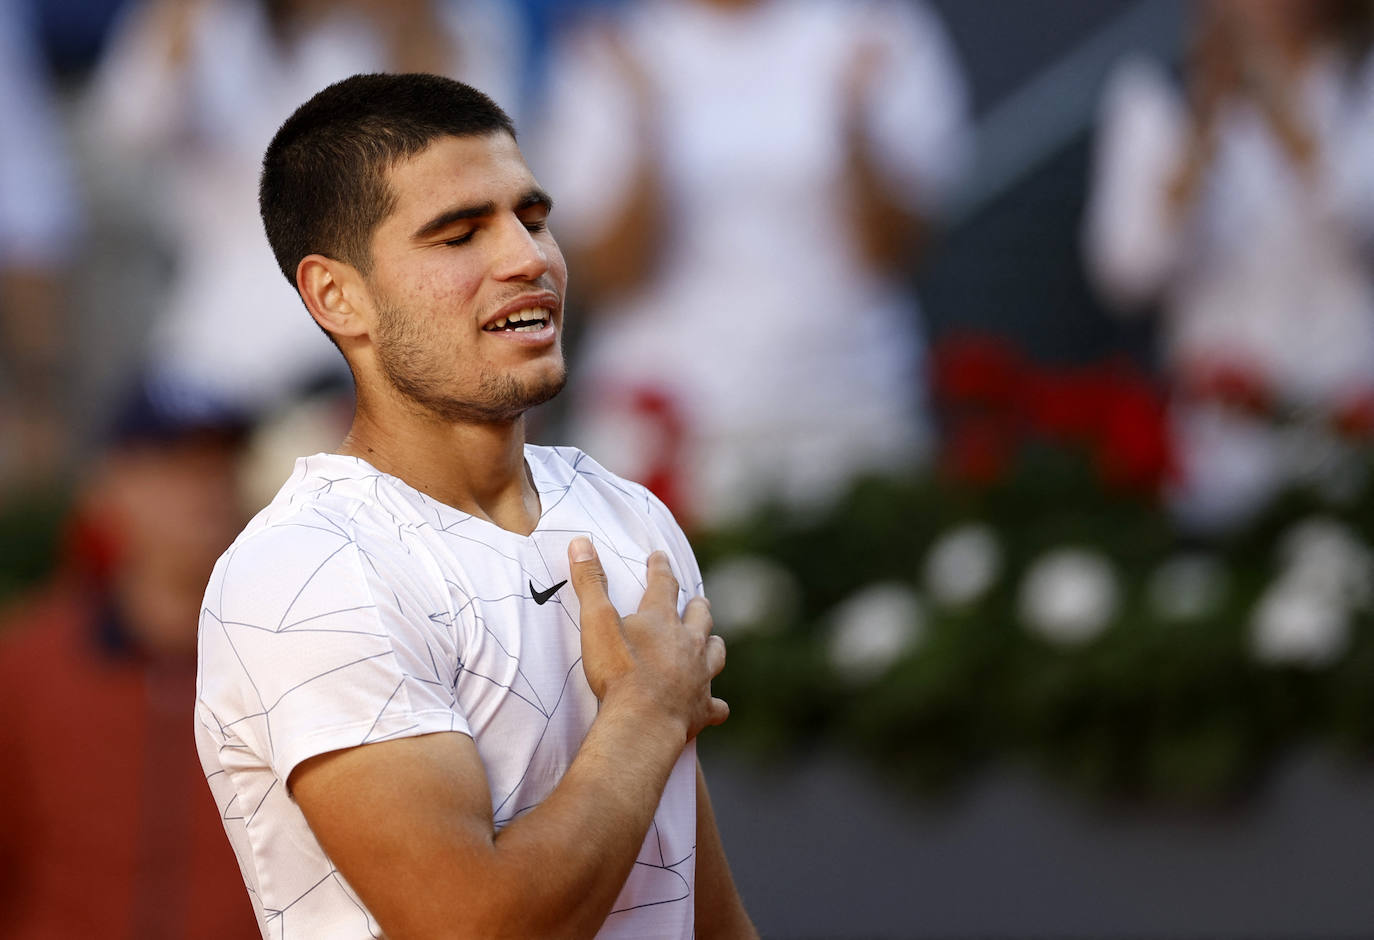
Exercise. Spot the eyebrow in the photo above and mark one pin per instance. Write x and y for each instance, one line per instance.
(533, 198)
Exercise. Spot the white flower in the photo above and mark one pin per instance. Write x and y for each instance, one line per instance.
(962, 565)
(1297, 623)
(873, 629)
(751, 593)
(1069, 596)
(1313, 455)
(1187, 587)
(1330, 559)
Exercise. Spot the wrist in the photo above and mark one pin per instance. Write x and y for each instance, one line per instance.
(639, 708)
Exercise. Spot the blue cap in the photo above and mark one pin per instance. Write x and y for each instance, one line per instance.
(158, 408)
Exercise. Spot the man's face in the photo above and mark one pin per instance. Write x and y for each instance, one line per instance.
(468, 283)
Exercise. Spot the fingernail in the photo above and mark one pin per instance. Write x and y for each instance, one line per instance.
(580, 549)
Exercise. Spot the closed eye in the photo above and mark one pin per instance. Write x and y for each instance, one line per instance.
(461, 239)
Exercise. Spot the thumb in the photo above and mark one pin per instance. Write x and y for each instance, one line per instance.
(588, 580)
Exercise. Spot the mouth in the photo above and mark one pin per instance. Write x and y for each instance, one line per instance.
(529, 320)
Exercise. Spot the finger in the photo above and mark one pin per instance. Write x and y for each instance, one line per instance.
(717, 711)
(715, 655)
(697, 616)
(589, 582)
(661, 588)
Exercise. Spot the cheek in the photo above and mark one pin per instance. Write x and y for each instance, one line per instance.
(558, 267)
(439, 294)
(437, 288)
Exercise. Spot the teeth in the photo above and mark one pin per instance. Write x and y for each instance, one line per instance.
(536, 316)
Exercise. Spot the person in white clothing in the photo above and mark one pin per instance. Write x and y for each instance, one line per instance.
(418, 707)
(745, 185)
(39, 221)
(1244, 212)
(183, 105)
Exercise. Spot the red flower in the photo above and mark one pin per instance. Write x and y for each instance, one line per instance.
(662, 475)
(979, 451)
(1134, 450)
(977, 370)
(1354, 416)
(1067, 406)
(1229, 382)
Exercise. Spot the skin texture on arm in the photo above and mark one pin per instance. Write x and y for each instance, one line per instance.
(409, 823)
(623, 257)
(890, 236)
(720, 913)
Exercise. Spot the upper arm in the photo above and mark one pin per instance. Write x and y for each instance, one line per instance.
(408, 823)
(310, 644)
(719, 910)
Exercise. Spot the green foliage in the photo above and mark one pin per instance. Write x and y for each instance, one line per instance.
(30, 530)
(1178, 710)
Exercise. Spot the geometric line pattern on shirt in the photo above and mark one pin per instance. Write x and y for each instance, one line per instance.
(446, 524)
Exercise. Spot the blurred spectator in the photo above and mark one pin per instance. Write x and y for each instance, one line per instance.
(543, 21)
(106, 829)
(1243, 209)
(744, 184)
(74, 31)
(186, 101)
(38, 218)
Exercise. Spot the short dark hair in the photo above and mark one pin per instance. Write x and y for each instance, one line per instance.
(323, 188)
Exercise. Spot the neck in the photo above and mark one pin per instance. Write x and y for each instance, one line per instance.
(478, 468)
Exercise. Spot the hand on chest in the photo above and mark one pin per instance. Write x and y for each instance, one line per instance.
(519, 638)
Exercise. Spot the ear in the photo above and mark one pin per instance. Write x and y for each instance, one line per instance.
(334, 294)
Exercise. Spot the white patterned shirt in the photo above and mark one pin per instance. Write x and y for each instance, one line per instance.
(356, 609)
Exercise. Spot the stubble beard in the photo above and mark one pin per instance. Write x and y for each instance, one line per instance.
(421, 373)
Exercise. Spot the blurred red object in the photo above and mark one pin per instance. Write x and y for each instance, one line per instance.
(1230, 382)
(979, 451)
(994, 402)
(1067, 405)
(663, 473)
(1134, 450)
(978, 370)
(1354, 417)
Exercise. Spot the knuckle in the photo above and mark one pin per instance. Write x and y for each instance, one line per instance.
(699, 611)
(588, 574)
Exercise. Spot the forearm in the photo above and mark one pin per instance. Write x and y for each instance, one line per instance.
(720, 914)
(584, 838)
(437, 869)
(890, 235)
(625, 254)
(409, 823)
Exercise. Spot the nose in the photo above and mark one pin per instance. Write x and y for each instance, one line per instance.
(524, 256)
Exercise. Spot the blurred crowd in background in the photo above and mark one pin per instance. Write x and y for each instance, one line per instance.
(748, 192)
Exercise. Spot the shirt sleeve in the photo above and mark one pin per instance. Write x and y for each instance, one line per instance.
(1349, 169)
(586, 148)
(316, 638)
(676, 544)
(38, 205)
(918, 110)
(1130, 242)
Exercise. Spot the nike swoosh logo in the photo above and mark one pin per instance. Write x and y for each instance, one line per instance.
(542, 597)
